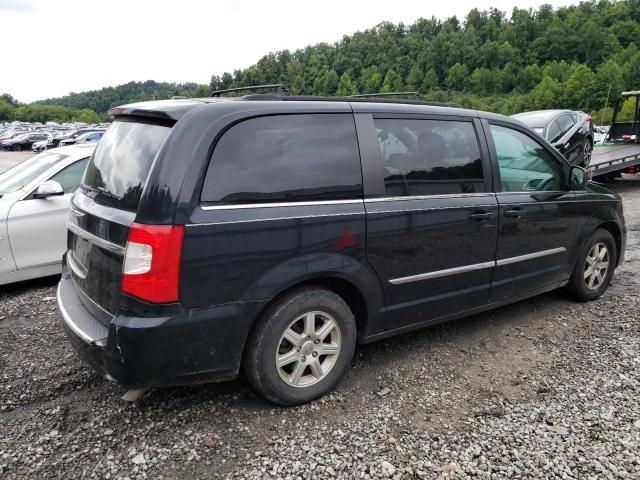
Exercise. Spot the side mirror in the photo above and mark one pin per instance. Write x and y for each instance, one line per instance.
(577, 178)
(47, 189)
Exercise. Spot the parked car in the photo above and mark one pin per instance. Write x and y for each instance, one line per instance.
(24, 141)
(210, 235)
(34, 204)
(572, 133)
(87, 137)
(71, 137)
(600, 134)
(42, 145)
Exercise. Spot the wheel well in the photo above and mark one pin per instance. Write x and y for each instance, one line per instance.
(614, 230)
(343, 288)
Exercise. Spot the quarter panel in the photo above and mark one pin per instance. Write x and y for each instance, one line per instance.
(255, 253)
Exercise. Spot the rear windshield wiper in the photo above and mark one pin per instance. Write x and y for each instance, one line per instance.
(102, 192)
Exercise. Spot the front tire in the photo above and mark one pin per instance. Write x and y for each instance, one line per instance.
(301, 347)
(587, 150)
(594, 269)
(17, 148)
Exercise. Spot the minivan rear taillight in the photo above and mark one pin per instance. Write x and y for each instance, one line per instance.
(152, 258)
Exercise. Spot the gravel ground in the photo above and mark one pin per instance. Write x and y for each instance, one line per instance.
(546, 388)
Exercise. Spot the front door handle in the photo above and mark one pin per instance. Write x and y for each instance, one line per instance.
(480, 216)
(515, 213)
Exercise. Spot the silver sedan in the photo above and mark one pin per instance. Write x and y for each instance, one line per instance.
(34, 203)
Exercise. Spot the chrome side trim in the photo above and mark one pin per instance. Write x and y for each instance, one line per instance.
(275, 219)
(529, 256)
(280, 204)
(442, 273)
(475, 266)
(100, 242)
(73, 326)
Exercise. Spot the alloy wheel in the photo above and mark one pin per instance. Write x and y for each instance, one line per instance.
(308, 349)
(596, 266)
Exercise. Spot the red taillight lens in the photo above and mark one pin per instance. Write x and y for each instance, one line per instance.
(151, 269)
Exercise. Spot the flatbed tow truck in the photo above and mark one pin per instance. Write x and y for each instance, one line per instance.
(620, 152)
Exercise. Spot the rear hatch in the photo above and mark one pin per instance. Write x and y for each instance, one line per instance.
(104, 208)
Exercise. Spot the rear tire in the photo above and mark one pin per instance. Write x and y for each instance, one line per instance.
(301, 347)
(594, 269)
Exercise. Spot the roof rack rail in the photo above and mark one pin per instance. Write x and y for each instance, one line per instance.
(387, 94)
(282, 89)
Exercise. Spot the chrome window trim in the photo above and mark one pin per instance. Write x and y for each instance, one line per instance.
(529, 256)
(281, 204)
(100, 242)
(475, 266)
(429, 197)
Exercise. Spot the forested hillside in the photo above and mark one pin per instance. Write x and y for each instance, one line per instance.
(571, 57)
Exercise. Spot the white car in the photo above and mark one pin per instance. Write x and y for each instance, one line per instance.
(34, 202)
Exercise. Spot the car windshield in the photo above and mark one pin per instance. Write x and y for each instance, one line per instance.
(16, 178)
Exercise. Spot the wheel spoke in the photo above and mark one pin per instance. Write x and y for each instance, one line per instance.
(325, 330)
(602, 254)
(309, 324)
(296, 375)
(316, 368)
(293, 338)
(602, 265)
(588, 272)
(591, 281)
(287, 358)
(328, 349)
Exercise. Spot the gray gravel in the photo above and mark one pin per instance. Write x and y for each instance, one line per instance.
(546, 388)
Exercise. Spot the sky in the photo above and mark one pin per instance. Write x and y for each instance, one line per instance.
(51, 48)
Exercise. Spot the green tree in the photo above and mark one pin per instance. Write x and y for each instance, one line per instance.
(392, 82)
(546, 94)
(456, 77)
(346, 86)
(414, 79)
(430, 80)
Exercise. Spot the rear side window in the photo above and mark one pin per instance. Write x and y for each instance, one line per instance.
(285, 158)
(117, 172)
(429, 157)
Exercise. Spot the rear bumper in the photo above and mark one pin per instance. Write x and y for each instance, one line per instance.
(186, 347)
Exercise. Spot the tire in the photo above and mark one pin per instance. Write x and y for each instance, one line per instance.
(305, 373)
(587, 150)
(17, 148)
(585, 287)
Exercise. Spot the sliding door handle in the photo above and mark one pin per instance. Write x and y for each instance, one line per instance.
(515, 212)
(479, 216)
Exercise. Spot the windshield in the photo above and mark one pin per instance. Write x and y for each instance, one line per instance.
(117, 173)
(16, 178)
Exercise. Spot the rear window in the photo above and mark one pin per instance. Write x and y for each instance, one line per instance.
(117, 172)
(285, 158)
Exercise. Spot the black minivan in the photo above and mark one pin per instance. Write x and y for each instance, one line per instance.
(273, 233)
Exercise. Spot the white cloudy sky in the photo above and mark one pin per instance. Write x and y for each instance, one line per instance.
(50, 48)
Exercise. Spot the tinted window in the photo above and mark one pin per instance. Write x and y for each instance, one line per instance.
(285, 158)
(429, 157)
(69, 177)
(117, 173)
(554, 132)
(565, 122)
(524, 164)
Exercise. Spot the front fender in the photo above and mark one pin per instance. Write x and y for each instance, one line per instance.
(605, 216)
